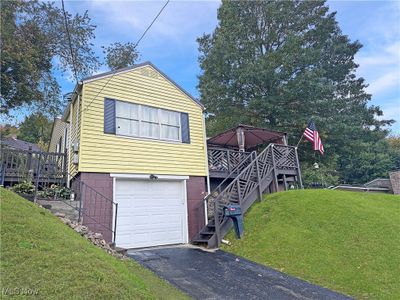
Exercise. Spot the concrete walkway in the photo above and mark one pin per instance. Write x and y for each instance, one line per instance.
(221, 275)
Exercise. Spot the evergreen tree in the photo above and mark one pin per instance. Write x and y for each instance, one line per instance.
(275, 64)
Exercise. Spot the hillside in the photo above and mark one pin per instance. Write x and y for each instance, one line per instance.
(346, 241)
(40, 253)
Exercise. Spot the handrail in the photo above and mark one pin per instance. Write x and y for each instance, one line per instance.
(264, 164)
(85, 195)
(244, 171)
(252, 156)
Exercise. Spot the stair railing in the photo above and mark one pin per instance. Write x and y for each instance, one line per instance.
(251, 178)
(209, 199)
(93, 208)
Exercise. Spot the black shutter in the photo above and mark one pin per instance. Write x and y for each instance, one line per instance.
(185, 129)
(109, 116)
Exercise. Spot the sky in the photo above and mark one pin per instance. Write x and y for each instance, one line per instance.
(171, 42)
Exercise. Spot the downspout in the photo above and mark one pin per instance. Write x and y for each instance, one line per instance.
(207, 170)
(69, 144)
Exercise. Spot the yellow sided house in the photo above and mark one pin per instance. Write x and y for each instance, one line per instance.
(136, 147)
(141, 169)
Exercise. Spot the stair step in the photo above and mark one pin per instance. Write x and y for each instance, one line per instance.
(207, 232)
(200, 241)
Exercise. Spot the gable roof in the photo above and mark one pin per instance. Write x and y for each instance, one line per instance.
(137, 66)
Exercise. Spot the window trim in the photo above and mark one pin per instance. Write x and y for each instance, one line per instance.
(140, 120)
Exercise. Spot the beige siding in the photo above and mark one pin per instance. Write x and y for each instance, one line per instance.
(56, 134)
(75, 122)
(109, 153)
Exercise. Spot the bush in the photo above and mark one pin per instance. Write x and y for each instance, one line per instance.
(25, 187)
(55, 191)
(321, 177)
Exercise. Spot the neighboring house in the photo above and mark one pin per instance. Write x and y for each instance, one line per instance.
(138, 138)
(58, 142)
(14, 143)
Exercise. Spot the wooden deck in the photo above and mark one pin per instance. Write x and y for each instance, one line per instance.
(35, 166)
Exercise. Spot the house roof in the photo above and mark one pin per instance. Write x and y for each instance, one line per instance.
(13, 142)
(254, 136)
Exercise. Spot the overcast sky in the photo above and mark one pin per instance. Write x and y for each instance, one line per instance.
(171, 42)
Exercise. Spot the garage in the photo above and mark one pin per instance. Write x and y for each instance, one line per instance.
(150, 212)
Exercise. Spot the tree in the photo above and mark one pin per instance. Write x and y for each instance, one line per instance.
(8, 130)
(36, 129)
(394, 150)
(34, 39)
(120, 55)
(275, 64)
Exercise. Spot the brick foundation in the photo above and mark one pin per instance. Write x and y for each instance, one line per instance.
(196, 191)
(99, 211)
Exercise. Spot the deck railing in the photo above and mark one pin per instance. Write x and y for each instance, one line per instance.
(224, 161)
(35, 166)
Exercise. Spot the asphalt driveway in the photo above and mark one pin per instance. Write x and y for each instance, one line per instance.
(221, 275)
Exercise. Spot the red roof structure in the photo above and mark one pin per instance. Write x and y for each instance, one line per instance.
(246, 137)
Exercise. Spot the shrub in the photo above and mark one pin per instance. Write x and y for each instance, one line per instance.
(25, 187)
(55, 191)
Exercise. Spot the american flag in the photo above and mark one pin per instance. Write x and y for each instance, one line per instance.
(311, 134)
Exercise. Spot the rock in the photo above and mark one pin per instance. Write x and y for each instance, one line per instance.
(98, 236)
(95, 237)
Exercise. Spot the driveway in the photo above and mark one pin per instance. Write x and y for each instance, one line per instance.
(221, 275)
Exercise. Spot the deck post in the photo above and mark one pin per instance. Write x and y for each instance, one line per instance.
(285, 182)
(258, 177)
(29, 161)
(228, 161)
(274, 169)
(37, 177)
(298, 169)
(216, 222)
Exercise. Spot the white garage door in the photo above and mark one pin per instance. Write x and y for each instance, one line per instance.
(150, 213)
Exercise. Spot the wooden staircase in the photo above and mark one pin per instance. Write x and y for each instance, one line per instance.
(256, 174)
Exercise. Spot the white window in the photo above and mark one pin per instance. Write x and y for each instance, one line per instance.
(145, 121)
(149, 123)
(127, 118)
(170, 125)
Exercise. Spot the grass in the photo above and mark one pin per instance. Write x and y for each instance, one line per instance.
(346, 241)
(40, 253)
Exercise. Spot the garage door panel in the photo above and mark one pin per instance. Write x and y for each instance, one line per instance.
(150, 213)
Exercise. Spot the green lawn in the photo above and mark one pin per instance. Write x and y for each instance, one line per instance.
(39, 252)
(346, 241)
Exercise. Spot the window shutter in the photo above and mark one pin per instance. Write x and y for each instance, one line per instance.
(109, 116)
(185, 130)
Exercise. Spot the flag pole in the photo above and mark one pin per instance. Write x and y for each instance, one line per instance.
(297, 146)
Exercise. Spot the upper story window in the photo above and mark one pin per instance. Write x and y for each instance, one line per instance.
(144, 121)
